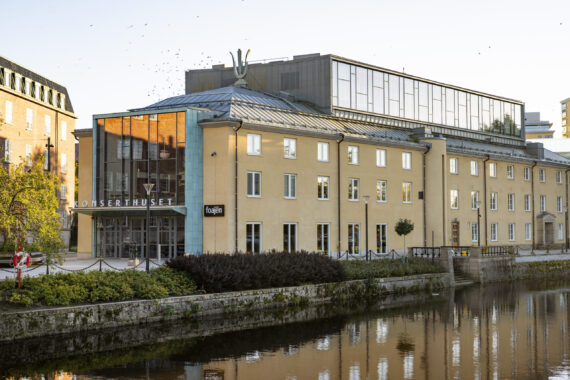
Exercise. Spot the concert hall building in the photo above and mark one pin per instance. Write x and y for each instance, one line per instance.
(291, 160)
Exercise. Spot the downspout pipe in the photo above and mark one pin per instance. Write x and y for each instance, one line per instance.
(339, 139)
(566, 214)
(533, 210)
(428, 147)
(485, 199)
(236, 129)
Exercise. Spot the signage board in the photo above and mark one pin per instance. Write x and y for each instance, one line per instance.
(214, 210)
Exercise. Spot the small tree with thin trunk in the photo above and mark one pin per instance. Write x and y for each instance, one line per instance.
(404, 227)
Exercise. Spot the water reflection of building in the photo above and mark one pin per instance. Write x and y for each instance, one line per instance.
(290, 159)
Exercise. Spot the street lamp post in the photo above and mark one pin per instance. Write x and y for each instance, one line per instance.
(148, 187)
(366, 198)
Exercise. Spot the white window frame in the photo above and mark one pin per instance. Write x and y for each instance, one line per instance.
(355, 227)
(453, 166)
(29, 119)
(63, 130)
(493, 200)
(526, 173)
(254, 189)
(560, 231)
(353, 190)
(559, 177)
(321, 181)
(407, 192)
(527, 202)
(381, 158)
(494, 232)
(454, 199)
(352, 156)
(379, 237)
(290, 148)
(63, 192)
(287, 227)
(253, 144)
(511, 202)
(407, 160)
(474, 199)
(290, 186)
(323, 151)
(28, 155)
(493, 169)
(7, 150)
(326, 242)
(47, 121)
(9, 117)
(542, 203)
(559, 204)
(527, 231)
(63, 163)
(474, 232)
(379, 184)
(510, 172)
(541, 175)
(474, 168)
(511, 232)
(260, 237)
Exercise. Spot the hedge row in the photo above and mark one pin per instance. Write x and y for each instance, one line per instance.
(221, 272)
(357, 270)
(64, 289)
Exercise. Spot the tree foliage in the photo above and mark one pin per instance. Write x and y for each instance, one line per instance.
(28, 203)
(404, 227)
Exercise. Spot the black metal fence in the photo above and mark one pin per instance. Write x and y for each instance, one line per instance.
(426, 252)
(459, 251)
(498, 250)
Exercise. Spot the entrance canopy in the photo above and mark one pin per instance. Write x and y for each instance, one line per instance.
(130, 211)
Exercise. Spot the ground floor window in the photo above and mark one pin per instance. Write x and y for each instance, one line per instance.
(474, 232)
(381, 238)
(290, 237)
(253, 237)
(511, 231)
(353, 238)
(527, 229)
(560, 232)
(323, 237)
(494, 232)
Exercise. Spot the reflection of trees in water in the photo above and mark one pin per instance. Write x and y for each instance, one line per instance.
(405, 344)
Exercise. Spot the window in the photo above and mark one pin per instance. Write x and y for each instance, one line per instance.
(527, 230)
(510, 172)
(253, 184)
(47, 123)
(63, 163)
(526, 173)
(322, 188)
(29, 119)
(42, 93)
(46, 167)
(353, 155)
(474, 200)
(23, 85)
(290, 237)
(527, 202)
(290, 148)
(559, 177)
(454, 199)
(381, 190)
(406, 160)
(407, 192)
(2, 76)
(493, 201)
(8, 116)
(381, 158)
(63, 130)
(475, 168)
(353, 189)
(50, 97)
(494, 232)
(511, 202)
(353, 238)
(511, 232)
(7, 151)
(453, 165)
(381, 238)
(560, 231)
(323, 237)
(28, 155)
(542, 203)
(290, 186)
(559, 204)
(33, 89)
(323, 151)
(541, 176)
(253, 144)
(253, 237)
(13, 81)
(63, 192)
(474, 232)
(493, 170)
(58, 101)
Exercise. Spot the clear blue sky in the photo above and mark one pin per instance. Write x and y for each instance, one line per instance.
(116, 55)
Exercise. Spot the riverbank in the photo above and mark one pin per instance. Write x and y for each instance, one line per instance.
(27, 323)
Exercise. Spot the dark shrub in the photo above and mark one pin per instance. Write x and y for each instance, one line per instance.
(357, 270)
(223, 273)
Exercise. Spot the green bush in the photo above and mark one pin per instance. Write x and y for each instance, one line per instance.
(357, 270)
(64, 289)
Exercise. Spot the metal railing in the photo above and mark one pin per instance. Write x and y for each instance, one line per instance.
(426, 252)
(498, 250)
(362, 256)
(459, 251)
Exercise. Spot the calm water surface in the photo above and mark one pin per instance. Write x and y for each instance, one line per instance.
(507, 331)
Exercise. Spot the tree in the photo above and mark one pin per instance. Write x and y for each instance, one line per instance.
(28, 204)
(404, 227)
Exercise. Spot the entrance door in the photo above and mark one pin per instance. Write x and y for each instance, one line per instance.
(548, 233)
(455, 234)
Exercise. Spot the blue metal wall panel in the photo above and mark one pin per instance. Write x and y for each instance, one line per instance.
(193, 184)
